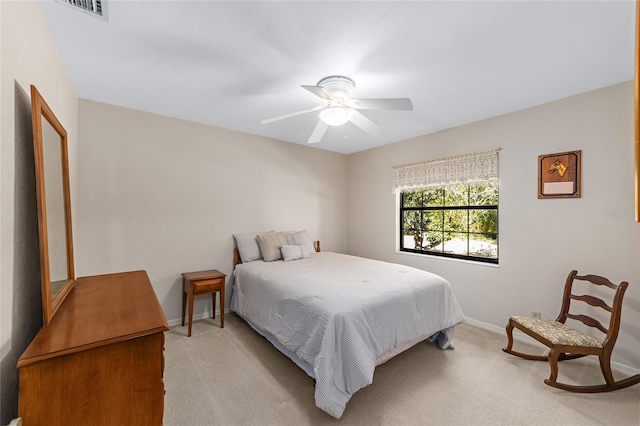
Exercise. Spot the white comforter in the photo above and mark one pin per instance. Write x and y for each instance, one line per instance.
(339, 313)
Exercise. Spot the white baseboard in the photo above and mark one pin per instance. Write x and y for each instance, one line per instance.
(622, 368)
(206, 314)
(486, 326)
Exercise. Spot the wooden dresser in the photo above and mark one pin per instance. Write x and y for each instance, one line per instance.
(100, 361)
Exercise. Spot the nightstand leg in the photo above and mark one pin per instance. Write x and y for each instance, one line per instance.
(222, 305)
(184, 301)
(190, 307)
(213, 299)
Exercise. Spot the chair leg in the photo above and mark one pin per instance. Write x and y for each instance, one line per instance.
(553, 364)
(605, 366)
(509, 337)
(509, 347)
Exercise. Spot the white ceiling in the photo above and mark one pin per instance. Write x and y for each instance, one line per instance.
(232, 64)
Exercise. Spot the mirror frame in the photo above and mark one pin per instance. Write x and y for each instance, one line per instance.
(41, 111)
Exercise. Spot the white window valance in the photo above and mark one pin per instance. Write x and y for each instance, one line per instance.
(478, 167)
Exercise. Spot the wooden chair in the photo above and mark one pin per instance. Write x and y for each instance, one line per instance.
(567, 343)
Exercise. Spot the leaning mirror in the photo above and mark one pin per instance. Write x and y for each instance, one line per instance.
(54, 206)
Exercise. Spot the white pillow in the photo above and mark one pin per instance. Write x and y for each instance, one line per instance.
(248, 247)
(301, 237)
(270, 245)
(294, 252)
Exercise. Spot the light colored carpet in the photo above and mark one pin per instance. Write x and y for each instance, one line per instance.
(233, 376)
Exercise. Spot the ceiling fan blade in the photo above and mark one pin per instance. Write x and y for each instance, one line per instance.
(367, 125)
(318, 132)
(293, 114)
(319, 91)
(396, 104)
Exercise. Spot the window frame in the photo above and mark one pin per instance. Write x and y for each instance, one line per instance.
(402, 209)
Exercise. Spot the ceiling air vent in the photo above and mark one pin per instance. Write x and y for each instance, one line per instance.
(97, 8)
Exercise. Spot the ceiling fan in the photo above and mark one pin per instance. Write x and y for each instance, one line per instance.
(340, 107)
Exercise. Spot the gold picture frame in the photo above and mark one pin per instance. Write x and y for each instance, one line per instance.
(559, 175)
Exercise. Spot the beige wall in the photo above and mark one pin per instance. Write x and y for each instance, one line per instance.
(27, 56)
(166, 195)
(540, 240)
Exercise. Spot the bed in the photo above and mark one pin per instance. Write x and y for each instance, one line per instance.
(339, 316)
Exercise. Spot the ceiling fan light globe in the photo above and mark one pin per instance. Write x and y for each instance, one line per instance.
(336, 115)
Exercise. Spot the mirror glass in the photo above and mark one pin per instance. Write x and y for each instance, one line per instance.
(57, 250)
(54, 206)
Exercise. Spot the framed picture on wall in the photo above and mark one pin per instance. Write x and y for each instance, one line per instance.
(559, 175)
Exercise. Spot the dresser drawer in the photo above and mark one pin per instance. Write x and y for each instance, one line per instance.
(207, 285)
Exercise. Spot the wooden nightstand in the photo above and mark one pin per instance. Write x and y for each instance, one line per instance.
(203, 282)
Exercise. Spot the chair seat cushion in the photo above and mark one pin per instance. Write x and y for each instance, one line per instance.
(557, 333)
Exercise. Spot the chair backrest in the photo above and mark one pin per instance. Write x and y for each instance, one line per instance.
(613, 310)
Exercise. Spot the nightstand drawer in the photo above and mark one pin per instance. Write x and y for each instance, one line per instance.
(207, 285)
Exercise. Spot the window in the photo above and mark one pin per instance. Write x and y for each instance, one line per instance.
(458, 221)
(449, 206)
